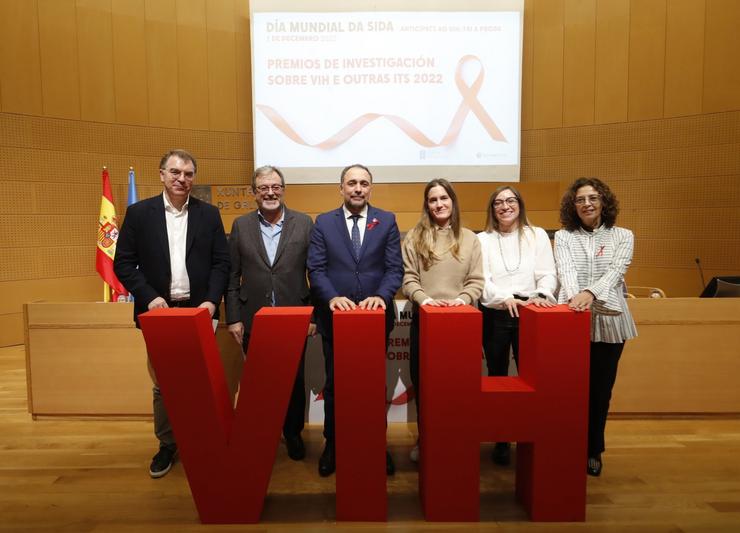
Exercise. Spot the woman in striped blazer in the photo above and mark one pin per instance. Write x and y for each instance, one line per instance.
(592, 255)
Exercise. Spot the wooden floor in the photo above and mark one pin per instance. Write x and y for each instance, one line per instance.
(91, 475)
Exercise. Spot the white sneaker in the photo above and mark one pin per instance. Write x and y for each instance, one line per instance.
(414, 455)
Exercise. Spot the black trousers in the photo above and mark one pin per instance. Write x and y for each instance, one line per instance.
(500, 334)
(327, 343)
(296, 414)
(604, 359)
(414, 357)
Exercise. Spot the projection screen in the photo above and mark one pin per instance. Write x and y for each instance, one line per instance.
(415, 90)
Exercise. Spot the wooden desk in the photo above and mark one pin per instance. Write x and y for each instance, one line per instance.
(89, 359)
(686, 358)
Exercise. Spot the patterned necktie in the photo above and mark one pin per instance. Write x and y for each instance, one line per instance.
(356, 244)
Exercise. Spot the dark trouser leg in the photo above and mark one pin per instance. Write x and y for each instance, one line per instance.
(604, 359)
(162, 427)
(327, 344)
(500, 334)
(414, 359)
(296, 413)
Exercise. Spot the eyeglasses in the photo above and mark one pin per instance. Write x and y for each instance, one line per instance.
(593, 199)
(176, 173)
(510, 201)
(264, 189)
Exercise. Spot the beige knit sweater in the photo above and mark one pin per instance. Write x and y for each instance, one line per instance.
(447, 278)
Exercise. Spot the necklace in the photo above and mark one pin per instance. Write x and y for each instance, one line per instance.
(503, 259)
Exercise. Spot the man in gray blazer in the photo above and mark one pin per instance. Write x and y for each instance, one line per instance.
(268, 250)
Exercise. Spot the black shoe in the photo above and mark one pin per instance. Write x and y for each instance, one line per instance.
(593, 467)
(327, 461)
(296, 448)
(162, 461)
(502, 454)
(390, 467)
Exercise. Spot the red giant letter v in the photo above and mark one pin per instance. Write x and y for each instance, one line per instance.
(227, 453)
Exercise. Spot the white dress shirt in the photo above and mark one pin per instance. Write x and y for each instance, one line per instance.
(361, 222)
(177, 233)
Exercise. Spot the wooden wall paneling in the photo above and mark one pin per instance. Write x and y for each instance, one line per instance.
(130, 61)
(59, 58)
(612, 60)
(222, 171)
(579, 52)
(547, 75)
(20, 58)
(18, 231)
(683, 192)
(527, 62)
(17, 197)
(192, 63)
(711, 160)
(59, 262)
(163, 86)
(243, 67)
(677, 252)
(75, 289)
(15, 130)
(566, 168)
(684, 57)
(55, 166)
(675, 281)
(720, 224)
(646, 59)
(222, 78)
(721, 52)
(95, 57)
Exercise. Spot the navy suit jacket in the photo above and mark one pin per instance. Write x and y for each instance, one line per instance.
(334, 271)
(142, 261)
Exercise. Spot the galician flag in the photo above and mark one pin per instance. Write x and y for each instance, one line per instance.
(107, 237)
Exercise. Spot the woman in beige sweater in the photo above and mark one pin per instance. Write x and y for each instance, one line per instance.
(442, 265)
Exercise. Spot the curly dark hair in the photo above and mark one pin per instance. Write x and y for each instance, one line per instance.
(609, 204)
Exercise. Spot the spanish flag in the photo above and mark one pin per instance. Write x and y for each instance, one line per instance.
(107, 237)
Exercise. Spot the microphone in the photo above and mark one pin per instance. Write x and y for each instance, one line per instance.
(701, 272)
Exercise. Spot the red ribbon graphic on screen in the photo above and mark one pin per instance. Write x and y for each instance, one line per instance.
(468, 104)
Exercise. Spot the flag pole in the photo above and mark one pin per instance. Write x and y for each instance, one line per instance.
(106, 292)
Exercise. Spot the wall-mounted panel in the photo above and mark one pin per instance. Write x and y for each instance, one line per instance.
(130, 61)
(243, 67)
(579, 56)
(95, 57)
(192, 63)
(161, 63)
(222, 66)
(721, 53)
(20, 59)
(60, 79)
(646, 59)
(684, 57)
(547, 68)
(612, 60)
(527, 63)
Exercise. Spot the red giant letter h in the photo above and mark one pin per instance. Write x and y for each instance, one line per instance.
(544, 409)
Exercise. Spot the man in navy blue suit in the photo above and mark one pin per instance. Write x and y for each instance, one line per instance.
(354, 260)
